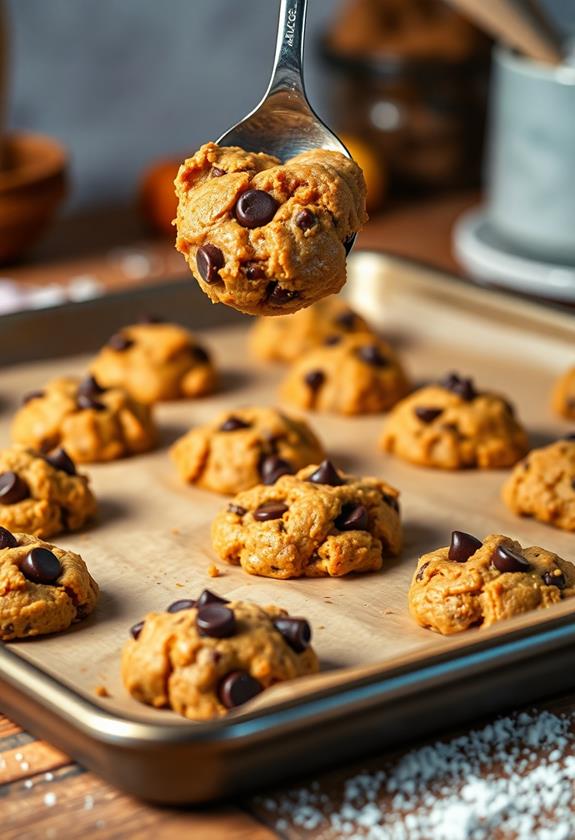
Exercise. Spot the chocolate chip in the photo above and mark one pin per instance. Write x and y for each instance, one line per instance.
(32, 395)
(209, 260)
(233, 424)
(254, 271)
(371, 354)
(326, 473)
(462, 547)
(85, 402)
(296, 632)
(237, 509)
(276, 295)
(272, 467)
(41, 566)
(209, 597)
(314, 379)
(420, 571)
(427, 415)
(216, 621)
(182, 604)
(392, 501)
(90, 387)
(459, 385)
(217, 172)
(352, 518)
(305, 219)
(555, 578)
(237, 688)
(13, 489)
(255, 208)
(7, 539)
(200, 354)
(136, 629)
(60, 460)
(120, 342)
(332, 340)
(347, 320)
(271, 510)
(507, 560)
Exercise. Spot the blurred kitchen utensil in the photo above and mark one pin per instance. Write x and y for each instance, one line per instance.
(284, 123)
(514, 25)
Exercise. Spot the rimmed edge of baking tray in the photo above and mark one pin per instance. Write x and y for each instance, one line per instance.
(180, 764)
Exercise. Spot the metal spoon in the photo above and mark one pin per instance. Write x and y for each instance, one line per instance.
(284, 123)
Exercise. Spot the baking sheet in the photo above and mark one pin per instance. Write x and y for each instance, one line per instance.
(151, 543)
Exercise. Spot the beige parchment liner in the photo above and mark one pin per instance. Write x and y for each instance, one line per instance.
(151, 543)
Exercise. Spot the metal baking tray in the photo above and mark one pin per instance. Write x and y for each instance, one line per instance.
(385, 681)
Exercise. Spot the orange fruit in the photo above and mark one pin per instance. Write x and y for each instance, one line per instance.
(374, 170)
(157, 197)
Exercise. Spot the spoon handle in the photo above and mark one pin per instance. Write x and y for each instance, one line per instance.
(287, 73)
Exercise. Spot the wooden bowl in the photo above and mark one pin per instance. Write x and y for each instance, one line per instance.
(32, 186)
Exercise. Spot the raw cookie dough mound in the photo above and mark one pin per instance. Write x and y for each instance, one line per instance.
(318, 523)
(202, 658)
(243, 448)
(563, 397)
(42, 494)
(475, 583)
(452, 426)
(543, 485)
(43, 589)
(155, 361)
(353, 374)
(285, 338)
(90, 422)
(264, 238)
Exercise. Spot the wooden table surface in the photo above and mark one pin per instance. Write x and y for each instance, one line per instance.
(43, 794)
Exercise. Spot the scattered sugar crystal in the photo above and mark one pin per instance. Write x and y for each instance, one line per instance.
(28, 784)
(50, 800)
(49, 777)
(88, 802)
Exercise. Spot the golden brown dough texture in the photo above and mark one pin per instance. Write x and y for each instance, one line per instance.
(155, 362)
(33, 609)
(54, 501)
(360, 374)
(285, 338)
(542, 485)
(171, 665)
(288, 261)
(251, 450)
(311, 538)
(112, 425)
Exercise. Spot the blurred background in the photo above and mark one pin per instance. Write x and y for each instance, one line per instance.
(128, 89)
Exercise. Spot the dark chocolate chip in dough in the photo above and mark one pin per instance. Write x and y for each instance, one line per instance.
(182, 604)
(276, 295)
(90, 387)
(200, 354)
(254, 271)
(120, 342)
(305, 219)
(352, 518)
(237, 688)
(13, 489)
(136, 629)
(209, 597)
(427, 414)
(237, 509)
(555, 578)
(217, 172)
(463, 546)
(216, 621)
(296, 632)
(32, 395)
(60, 460)
(7, 539)
(460, 385)
(270, 510)
(41, 566)
(314, 379)
(272, 467)
(209, 260)
(371, 355)
(255, 208)
(421, 570)
(326, 473)
(233, 424)
(392, 501)
(507, 560)
(347, 320)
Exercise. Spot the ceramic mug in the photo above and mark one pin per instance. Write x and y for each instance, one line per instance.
(531, 156)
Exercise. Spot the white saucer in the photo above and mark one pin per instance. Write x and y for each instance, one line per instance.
(490, 260)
